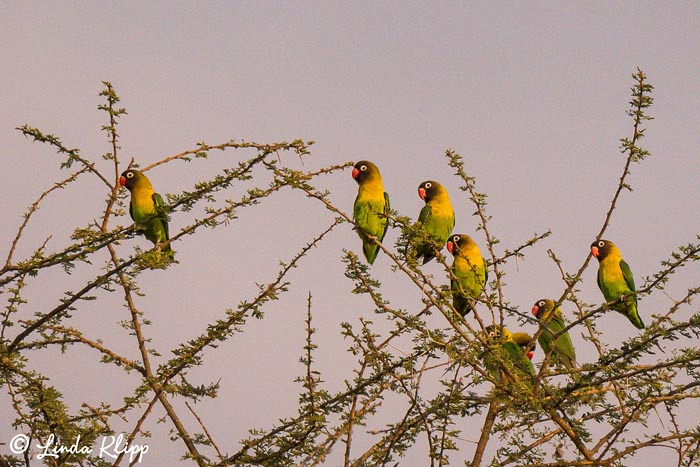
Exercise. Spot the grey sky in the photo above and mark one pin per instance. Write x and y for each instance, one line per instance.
(533, 95)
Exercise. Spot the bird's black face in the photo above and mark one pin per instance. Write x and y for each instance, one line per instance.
(453, 244)
(427, 190)
(493, 333)
(457, 242)
(538, 308)
(128, 178)
(361, 171)
(601, 248)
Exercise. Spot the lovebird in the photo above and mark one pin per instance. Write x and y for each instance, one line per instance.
(470, 270)
(522, 339)
(437, 218)
(146, 207)
(563, 353)
(510, 353)
(615, 280)
(371, 207)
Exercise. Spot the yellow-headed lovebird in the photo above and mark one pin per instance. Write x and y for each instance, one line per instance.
(504, 351)
(146, 207)
(437, 218)
(615, 280)
(563, 353)
(470, 270)
(371, 207)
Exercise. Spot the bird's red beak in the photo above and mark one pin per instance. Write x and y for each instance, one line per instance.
(421, 193)
(530, 354)
(450, 246)
(122, 181)
(535, 309)
(355, 173)
(594, 251)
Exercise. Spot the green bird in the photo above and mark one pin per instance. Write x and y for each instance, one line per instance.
(469, 269)
(615, 280)
(371, 207)
(437, 218)
(563, 353)
(505, 351)
(146, 207)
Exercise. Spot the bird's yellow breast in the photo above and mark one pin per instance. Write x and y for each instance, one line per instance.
(371, 191)
(472, 255)
(142, 206)
(611, 268)
(441, 206)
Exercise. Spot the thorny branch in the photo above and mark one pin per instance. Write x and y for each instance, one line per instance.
(441, 384)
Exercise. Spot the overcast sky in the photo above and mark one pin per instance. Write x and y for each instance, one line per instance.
(532, 94)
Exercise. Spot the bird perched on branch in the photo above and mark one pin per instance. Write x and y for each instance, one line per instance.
(506, 353)
(371, 207)
(469, 271)
(523, 339)
(146, 208)
(563, 353)
(615, 280)
(437, 218)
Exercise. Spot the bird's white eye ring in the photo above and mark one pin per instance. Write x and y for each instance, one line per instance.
(455, 239)
(428, 185)
(129, 174)
(540, 303)
(363, 168)
(601, 244)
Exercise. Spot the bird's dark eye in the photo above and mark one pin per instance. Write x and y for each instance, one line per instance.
(428, 185)
(129, 174)
(455, 239)
(601, 244)
(363, 168)
(540, 303)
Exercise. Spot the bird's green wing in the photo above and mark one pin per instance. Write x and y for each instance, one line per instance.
(599, 279)
(627, 274)
(160, 211)
(519, 359)
(386, 213)
(545, 339)
(425, 213)
(424, 249)
(564, 349)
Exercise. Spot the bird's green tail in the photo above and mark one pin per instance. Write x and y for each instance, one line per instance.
(636, 320)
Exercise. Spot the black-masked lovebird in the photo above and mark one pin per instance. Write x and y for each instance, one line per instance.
(146, 207)
(371, 207)
(523, 339)
(563, 353)
(615, 280)
(469, 269)
(437, 218)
